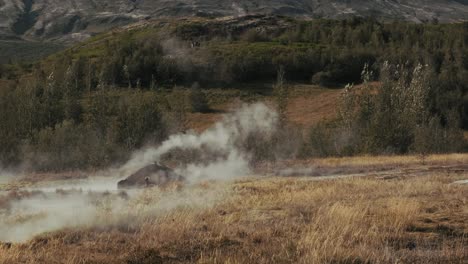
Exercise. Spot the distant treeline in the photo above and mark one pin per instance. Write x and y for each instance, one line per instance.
(90, 107)
(325, 52)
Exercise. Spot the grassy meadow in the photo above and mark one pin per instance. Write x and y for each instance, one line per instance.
(270, 219)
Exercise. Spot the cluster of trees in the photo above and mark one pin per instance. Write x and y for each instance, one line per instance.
(397, 116)
(54, 123)
(91, 111)
(65, 120)
(325, 52)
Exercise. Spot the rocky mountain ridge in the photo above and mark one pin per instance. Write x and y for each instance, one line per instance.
(74, 20)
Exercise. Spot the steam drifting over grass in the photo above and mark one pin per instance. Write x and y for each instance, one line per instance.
(96, 201)
(415, 219)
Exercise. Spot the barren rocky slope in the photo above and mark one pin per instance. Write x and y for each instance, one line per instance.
(77, 19)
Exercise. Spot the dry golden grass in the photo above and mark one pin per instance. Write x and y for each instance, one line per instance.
(435, 159)
(310, 104)
(202, 121)
(409, 165)
(280, 220)
(387, 161)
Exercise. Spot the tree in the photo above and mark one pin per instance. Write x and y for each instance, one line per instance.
(393, 117)
(281, 93)
(51, 98)
(177, 107)
(138, 120)
(71, 95)
(198, 100)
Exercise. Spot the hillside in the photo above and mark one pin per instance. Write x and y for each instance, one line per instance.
(94, 103)
(72, 20)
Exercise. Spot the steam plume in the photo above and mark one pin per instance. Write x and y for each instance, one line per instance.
(224, 138)
(35, 210)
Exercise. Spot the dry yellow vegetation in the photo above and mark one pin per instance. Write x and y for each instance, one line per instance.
(413, 219)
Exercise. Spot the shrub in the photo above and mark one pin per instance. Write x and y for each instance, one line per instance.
(198, 100)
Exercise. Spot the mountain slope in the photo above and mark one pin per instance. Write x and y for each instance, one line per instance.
(77, 19)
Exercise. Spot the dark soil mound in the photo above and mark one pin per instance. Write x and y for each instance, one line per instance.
(150, 175)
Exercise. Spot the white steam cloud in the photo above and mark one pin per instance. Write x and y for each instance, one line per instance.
(222, 138)
(46, 212)
(51, 206)
(6, 176)
(39, 212)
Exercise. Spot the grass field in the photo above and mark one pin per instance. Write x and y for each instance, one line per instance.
(259, 219)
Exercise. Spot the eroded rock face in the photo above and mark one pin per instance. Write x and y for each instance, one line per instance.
(151, 175)
(69, 19)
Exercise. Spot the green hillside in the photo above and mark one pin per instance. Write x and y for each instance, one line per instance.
(132, 86)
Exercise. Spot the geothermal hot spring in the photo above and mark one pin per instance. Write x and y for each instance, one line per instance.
(28, 210)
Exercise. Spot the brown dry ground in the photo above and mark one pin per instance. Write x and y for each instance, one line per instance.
(307, 105)
(371, 165)
(409, 219)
